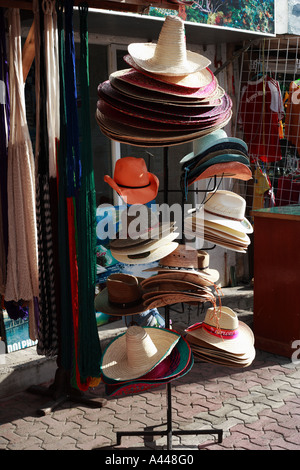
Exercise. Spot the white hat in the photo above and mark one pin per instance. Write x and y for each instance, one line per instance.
(227, 208)
(169, 56)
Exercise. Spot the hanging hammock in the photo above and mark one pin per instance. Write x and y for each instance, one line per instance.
(46, 193)
(4, 136)
(22, 259)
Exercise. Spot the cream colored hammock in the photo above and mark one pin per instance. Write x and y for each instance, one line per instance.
(22, 263)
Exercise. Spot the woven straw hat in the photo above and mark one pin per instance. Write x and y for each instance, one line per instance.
(136, 352)
(169, 56)
(121, 296)
(178, 363)
(227, 208)
(223, 330)
(195, 80)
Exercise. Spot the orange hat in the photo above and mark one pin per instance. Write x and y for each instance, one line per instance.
(132, 181)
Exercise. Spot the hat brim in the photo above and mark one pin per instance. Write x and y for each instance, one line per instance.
(146, 245)
(148, 256)
(139, 80)
(165, 283)
(136, 195)
(240, 226)
(212, 142)
(196, 80)
(103, 305)
(161, 299)
(137, 136)
(205, 276)
(143, 55)
(235, 170)
(133, 387)
(114, 364)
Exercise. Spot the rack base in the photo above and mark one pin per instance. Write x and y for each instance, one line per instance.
(61, 392)
(169, 434)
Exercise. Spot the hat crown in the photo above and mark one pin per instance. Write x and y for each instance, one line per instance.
(181, 257)
(226, 320)
(171, 44)
(203, 259)
(123, 288)
(227, 204)
(131, 172)
(139, 346)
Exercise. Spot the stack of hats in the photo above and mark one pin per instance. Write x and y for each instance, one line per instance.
(222, 339)
(167, 97)
(143, 239)
(218, 155)
(143, 358)
(221, 220)
(183, 276)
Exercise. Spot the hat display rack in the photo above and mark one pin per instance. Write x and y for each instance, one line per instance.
(135, 107)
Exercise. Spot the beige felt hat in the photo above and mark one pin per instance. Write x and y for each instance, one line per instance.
(136, 352)
(169, 56)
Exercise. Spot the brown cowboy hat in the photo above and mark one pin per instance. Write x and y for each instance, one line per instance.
(121, 296)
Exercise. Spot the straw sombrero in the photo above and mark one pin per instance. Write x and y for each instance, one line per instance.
(222, 330)
(178, 363)
(195, 80)
(169, 56)
(136, 352)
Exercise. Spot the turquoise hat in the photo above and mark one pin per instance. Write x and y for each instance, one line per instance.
(207, 142)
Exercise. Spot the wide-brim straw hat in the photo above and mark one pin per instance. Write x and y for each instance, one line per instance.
(195, 80)
(222, 330)
(136, 352)
(140, 386)
(169, 367)
(132, 181)
(121, 296)
(169, 56)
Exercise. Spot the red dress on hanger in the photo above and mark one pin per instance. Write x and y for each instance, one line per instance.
(261, 109)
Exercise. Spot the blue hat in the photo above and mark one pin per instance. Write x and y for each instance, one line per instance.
(216, 140)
